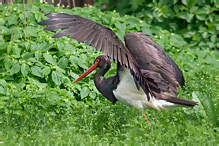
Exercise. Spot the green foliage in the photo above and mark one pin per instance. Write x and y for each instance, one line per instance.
(195, 20)
(39, 103)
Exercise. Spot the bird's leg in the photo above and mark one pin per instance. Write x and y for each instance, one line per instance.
(145, 117)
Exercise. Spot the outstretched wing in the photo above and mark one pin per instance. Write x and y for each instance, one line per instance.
(100, 37)
(161, 72)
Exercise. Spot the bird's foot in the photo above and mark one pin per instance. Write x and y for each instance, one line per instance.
(145, 117)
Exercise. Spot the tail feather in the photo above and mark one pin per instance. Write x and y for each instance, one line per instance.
(181, 101)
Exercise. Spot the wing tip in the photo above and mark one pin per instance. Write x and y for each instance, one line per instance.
(55, 36)
(41, 23)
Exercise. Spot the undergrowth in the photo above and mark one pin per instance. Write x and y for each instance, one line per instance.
(39, 103)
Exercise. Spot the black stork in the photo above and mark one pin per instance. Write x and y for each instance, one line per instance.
(146, 76)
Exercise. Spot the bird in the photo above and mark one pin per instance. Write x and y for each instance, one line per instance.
(146, 78)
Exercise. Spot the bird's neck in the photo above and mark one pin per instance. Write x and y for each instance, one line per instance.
(99, 75)
(105, 86)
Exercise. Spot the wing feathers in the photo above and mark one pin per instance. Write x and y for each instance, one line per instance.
(66, 32)
(100, 37)
(80, 35)
(60, 25)
(58, 15)
(89, 39)
(56, 21)
(160, 71)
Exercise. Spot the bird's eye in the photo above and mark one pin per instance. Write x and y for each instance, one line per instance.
(97, 61)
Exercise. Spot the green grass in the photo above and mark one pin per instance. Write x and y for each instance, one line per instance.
(106, 123)
(39, 103)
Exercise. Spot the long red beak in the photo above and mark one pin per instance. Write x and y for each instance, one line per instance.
(89, 70)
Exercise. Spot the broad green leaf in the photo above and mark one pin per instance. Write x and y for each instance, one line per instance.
(15, 68)
(200, 11)
(176, 43)
(136, 3)
(38, 54)
(189, 3)
(47, 10)
(21, 84)
(4, 30)
(63, 63)
(84, 92)
(147, 31)
(2, 90)
(24, 69)
(176, 8)
(56, 78)
(59, 70)
(190, 16)
(82, 61)
(92, 95)
(38, 16)
(36, 71)
(105, 20)
(82, 64)
(27, 55)
(21, 16)
(74, 61)
(49, 58)
(38, 63)
(75, 76)
(198, 109)
(194, 9)
(182, 15)
(66, 81)
(8, 63)
(201, 17)
(177, 40)
(34, 9)
(213, 38)
(16, 51)
(119, 26)
(30, 17)
(217, 4)
(31, 31)
(78, 87)
(3, 82)
(32, 60)
(208, 105)
(156, 30)
(12, 19)
(17, 32)
(2, 22)
(3, 45)
(46, 71)
(42, 46)
(62, 46)
(161, 41)
(178, 37)
(69, 47)
(185, 2)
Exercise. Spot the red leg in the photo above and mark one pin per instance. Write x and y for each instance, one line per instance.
(145, 117)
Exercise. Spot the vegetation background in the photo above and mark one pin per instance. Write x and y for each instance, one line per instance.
(39, 103)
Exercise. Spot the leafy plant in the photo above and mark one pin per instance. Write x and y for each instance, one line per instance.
(39, 103)
(195, 20)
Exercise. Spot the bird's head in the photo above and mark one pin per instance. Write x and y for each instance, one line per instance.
(101, 61)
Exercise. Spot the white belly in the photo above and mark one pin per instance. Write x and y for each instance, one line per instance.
(127, 93)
